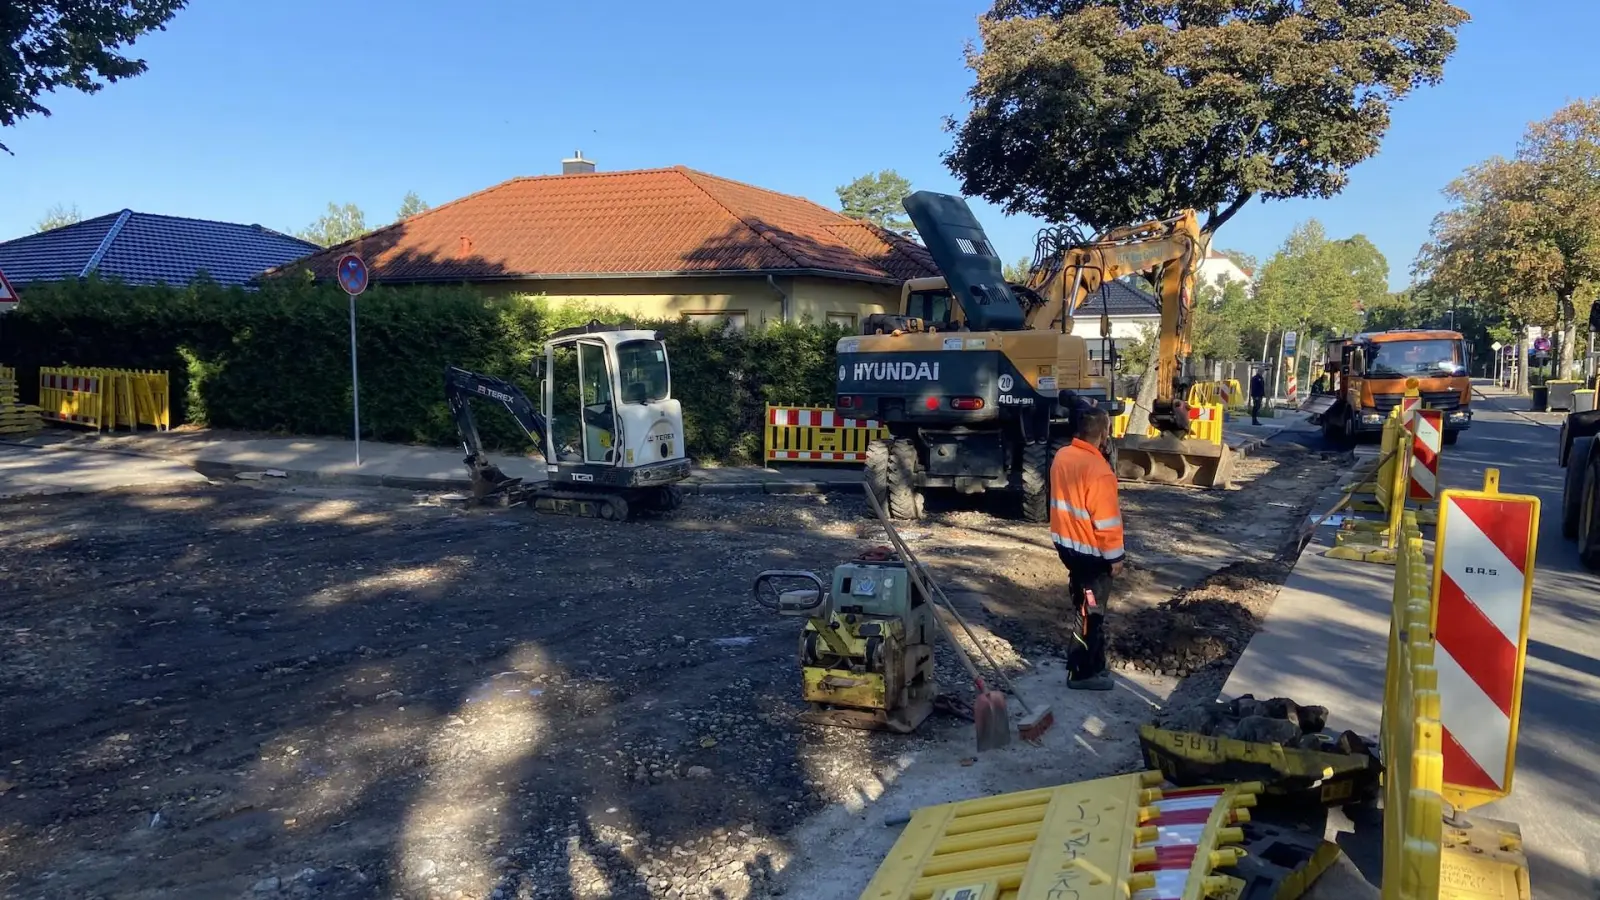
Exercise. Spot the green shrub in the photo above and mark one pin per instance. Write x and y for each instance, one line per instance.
(278, 360)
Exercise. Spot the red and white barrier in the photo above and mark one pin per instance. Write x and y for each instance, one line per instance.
(1427, 439)
(814, 418)
(1482, 582)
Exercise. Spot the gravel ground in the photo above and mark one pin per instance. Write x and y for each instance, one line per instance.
(262, 691)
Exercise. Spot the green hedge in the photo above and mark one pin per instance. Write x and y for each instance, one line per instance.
(278, 359)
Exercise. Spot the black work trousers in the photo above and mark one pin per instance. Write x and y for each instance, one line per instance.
(1255, 410)
(1086, 657)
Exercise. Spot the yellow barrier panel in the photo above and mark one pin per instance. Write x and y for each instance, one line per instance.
(7, 373)
(817, 434)
(1379, 541)
(1094, 840)
(15, 417)
(1412, 737)
(1205, 422)
(105, 399)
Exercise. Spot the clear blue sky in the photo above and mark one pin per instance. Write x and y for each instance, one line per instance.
(264, 112)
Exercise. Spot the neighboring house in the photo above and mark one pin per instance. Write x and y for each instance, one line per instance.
(144, 248)
(1216, 268)
(1131, 311)
(652, 243)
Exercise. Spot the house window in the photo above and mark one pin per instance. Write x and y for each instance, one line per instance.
(843, 320)
(732, 319)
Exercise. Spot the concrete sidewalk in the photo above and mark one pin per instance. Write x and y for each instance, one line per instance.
(332, 460)
(31, 473)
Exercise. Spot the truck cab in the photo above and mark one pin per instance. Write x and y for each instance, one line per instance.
(1371, 370)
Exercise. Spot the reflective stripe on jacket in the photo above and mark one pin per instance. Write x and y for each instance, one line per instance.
(1084, 515)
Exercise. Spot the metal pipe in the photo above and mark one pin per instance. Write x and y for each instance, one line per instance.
(784, 301)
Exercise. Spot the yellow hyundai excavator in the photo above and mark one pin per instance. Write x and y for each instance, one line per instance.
(979, 382)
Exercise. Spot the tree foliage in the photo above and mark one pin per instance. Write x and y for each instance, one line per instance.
(1523, 234)
(1115, 111)
(878, 198)
(339, 224)
(59, 216)
(1320, 286)
(74, 44)
(411, 205)
(1017, 272)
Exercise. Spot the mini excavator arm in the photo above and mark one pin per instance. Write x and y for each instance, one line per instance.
(460, 386)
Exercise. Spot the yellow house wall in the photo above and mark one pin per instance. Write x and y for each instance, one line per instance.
(670, 298)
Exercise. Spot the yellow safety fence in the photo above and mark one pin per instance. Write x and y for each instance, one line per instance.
(1412, 736)
(105, 399)
(817, 434)
(1205, 422)
(1379, 541)
(1222, 393)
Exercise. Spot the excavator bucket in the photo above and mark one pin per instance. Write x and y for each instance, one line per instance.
(1172, 460)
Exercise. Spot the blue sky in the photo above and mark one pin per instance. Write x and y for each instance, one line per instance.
(265, 112)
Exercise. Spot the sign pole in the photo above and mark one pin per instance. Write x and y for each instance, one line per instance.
(352, 273)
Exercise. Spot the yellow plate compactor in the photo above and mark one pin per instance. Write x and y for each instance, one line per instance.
(866, 653)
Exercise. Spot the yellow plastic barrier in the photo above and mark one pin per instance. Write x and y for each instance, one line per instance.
(16, 418)
(1205, 422)
(1226, 394)
(1412, 736)
(1095, 840)
(105, 399)
(817, 434)
(7, 373)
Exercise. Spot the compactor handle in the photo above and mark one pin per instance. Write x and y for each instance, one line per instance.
(769, 592)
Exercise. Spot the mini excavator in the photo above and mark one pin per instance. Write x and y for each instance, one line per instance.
(609, 430)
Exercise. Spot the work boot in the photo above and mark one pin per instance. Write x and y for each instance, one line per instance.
(1101, 682)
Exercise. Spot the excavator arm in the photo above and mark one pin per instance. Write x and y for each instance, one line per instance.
(1067, 269)
(460, 386)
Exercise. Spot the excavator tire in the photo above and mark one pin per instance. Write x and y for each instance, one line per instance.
(878, 471)
(1036, 459)
(1572, 491)
(905, 501)
(666, 499)
(1589, 513)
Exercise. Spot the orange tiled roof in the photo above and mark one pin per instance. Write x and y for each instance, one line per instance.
(649, 221)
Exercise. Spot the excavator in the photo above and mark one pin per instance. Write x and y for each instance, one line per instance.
(608, 426)
(979, 381)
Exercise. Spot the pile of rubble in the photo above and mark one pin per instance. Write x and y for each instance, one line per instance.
(1277, 721)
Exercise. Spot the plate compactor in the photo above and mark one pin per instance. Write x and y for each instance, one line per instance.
(866, 653)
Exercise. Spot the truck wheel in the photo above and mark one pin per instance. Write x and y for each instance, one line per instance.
(1589, 514)
(1036, 481)
(878, 471)
(1450, 438)
(905, 502)
(1572, 490)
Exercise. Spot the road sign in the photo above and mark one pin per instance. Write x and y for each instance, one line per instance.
(8, 295)
(1289, 339)
(352, 274)
(1483, 588)
(1496, 345)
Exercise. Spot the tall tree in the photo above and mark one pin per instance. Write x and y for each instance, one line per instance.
(1017, 272)
(1524, 233)
(411, 205)
(339, 224)
(76, 44)
(1318, 287)
(877, 197)
(59, 216)
(1114, 111)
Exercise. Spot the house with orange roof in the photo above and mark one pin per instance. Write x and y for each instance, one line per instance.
(651, 243)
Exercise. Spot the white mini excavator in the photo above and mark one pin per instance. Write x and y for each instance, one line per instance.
(609, 430)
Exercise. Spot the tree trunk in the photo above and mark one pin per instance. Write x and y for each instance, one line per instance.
(1569, 333)
(1519, 375)
(1143, 402)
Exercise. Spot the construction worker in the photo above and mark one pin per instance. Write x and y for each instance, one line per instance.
(1258, 393)
(1086, 526)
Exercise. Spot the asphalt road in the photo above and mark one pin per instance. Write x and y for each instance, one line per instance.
(1555, 797)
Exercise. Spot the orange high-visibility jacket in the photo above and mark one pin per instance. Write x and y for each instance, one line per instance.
(1084, 515)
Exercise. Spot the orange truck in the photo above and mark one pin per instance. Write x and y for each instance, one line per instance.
(1367, 375)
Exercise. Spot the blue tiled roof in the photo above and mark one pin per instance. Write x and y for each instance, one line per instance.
(144, 248)
(1122, 299)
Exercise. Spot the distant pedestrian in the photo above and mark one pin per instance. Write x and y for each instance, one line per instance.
(1086, 526)
(1320, 386)
(1258, 393)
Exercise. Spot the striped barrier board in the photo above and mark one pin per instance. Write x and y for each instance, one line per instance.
(1427, 440)
(1483, 590)
(817, 434)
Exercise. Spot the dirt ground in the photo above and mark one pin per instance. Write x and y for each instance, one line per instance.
(264, 691)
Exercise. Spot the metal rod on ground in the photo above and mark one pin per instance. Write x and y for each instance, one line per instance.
(991, 724)
(1034, 722)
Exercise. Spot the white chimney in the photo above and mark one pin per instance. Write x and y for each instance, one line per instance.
(577, 165)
